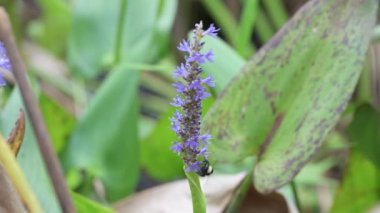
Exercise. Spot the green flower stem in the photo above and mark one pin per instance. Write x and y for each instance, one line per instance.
(120, 31)
(15, 173)
(197, 196)
(295, 194)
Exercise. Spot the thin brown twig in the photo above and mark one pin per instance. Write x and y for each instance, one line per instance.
(34, 113)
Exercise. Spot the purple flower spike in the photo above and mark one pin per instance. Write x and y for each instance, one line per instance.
(186, 122)
(5, 63)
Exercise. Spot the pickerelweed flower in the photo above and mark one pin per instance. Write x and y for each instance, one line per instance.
(192, 145)
(5, 63)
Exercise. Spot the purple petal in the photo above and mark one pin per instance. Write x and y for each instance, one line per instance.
(177, 147)
(209, 81)
(180, 87)
(211, 31)
(180, 71)
(209, 56)
(193, 167)
(176, 126)
(178, 101)
(196, 85)
(2, 81)
(197, 57)
(184, 46)
(5, 63)
(205, 138)
(203, 95)
(176, 121)
(200, 92)
(192, 144)
(178, 115)
(203, 152)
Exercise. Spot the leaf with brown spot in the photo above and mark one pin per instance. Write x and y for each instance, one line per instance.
(16, 137)
(308, 72)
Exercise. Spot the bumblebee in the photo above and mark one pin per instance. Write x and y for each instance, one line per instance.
(206, 169)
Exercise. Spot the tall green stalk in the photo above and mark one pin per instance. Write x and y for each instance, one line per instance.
(197, 196)
(119, 32)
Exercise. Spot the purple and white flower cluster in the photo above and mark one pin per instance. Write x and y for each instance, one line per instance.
(5, 63)
(192, 145)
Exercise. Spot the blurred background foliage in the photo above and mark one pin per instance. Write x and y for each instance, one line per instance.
(102, 72)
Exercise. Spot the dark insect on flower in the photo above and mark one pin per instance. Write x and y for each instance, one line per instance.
(205, 169)
(5, 63)
(186, 122)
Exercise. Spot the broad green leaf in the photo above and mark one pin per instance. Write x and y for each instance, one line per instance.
(360, 188)
(364, 133)
(105, 141)
(197, 197)
(83, 205)
(293, 90)
(29, 156)
(59, 122)
(93, 40)
(226, 65)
